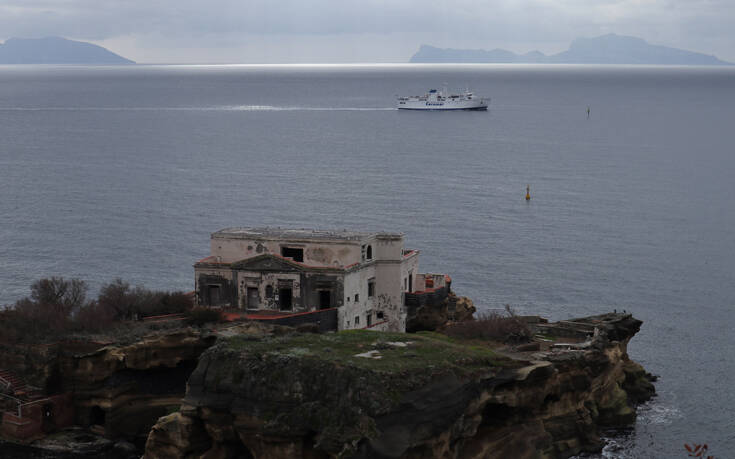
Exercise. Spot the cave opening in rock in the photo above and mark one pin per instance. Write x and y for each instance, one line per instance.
(308, 449)
(97, 416)
(239, 450)
(497, 414)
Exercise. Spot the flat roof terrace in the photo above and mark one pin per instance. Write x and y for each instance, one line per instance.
(290, 234)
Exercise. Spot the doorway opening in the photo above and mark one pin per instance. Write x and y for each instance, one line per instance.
(253, 299)
(285, 299)
(213, 295)
(325, 299)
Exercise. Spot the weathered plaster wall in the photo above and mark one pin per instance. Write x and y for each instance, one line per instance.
(410, 266)
(388, 248)
(322, 253)
(261, 281)
(222, 277)
(314, 283)
(389, 296)
(356, 283)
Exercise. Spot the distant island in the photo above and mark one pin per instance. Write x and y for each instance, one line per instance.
(606, 49)
(56, 50)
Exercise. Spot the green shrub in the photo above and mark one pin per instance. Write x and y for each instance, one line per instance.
(495, 326)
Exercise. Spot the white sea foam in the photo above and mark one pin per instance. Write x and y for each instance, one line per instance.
(244, 108)
(657, 413)
(613, 450)
(255, 108)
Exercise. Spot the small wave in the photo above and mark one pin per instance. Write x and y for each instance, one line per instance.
(657, 413)
(255, 108)
(613, 450)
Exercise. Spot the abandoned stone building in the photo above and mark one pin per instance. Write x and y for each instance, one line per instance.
(364, 277)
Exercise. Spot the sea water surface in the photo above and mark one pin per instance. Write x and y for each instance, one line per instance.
(110, 172)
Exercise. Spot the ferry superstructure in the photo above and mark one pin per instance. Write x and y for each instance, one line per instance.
(443, 100)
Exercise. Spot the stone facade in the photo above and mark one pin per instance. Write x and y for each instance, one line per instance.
(365, 276)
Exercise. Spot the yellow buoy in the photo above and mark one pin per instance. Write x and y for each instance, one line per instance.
(528, 192)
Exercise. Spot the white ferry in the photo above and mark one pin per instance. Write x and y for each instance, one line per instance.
(443, 100)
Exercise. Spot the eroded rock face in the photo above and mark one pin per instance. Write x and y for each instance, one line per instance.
(269, 397)
(125, 388)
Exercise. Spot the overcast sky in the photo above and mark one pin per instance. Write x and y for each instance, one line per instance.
(338, 31)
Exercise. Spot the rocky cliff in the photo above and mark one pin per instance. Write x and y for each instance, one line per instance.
(125, 388)
(272, 393)
(119, 389)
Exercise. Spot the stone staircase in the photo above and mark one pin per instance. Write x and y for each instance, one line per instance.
(13, 385)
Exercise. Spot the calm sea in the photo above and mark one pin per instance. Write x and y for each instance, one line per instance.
(112, 172)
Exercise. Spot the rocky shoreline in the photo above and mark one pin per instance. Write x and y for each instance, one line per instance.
(271, 393)
(246, 389)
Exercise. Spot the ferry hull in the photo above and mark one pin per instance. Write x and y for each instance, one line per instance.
(434, 109)
(442, 105)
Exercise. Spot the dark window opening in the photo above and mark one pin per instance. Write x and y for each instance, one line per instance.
(410, 283)
(284, 299)
(357, 320)
(379, 315)
(293, 253)
(369, 319)
(269, 291)
(369, 255)
(325, 299)
(357, 297)
(371, 287)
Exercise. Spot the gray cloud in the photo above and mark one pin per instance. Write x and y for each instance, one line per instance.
(344, 30)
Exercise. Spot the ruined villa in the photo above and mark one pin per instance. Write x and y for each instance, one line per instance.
(364, 280)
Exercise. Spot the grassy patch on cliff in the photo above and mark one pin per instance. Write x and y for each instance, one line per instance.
(424, 350)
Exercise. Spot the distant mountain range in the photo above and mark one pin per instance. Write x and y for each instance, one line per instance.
(56, 50)
(606, 49)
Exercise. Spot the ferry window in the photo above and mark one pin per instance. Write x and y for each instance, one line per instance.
(369, 255)
(296, 254)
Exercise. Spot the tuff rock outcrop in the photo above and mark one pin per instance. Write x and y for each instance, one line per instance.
(120, 389)
(387, 395)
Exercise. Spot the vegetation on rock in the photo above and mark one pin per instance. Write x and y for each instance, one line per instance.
(271, 392)
(493, 326)
(59, 307)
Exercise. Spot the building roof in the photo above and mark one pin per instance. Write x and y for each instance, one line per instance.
(300, 234)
